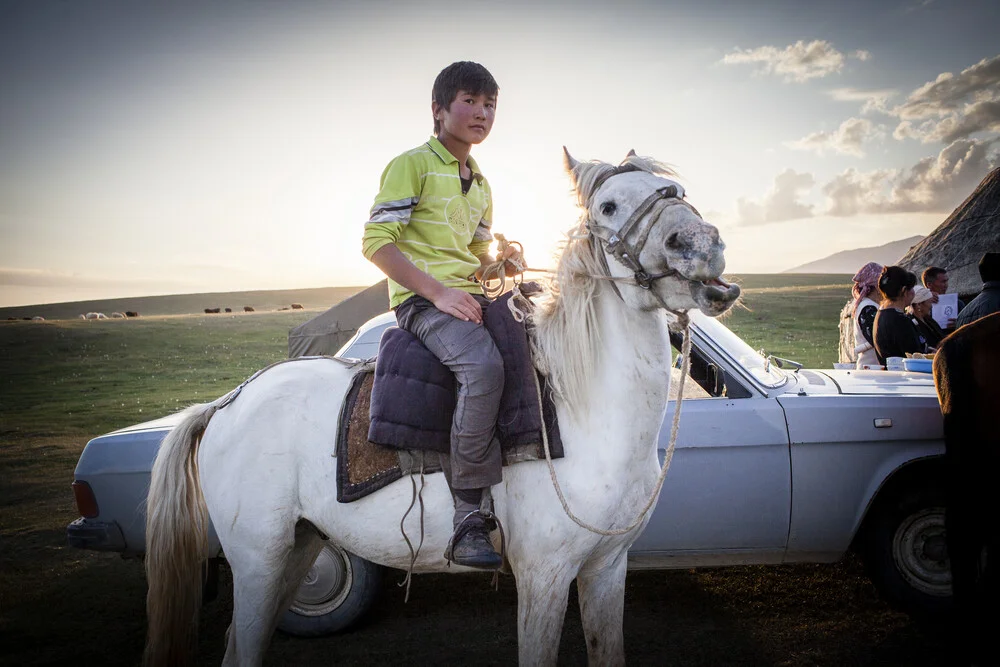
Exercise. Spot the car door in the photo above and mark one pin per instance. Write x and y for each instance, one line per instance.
(727, 495)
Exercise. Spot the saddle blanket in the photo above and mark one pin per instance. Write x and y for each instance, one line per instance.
(396, 420)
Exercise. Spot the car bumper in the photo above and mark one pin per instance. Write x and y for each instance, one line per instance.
(97, 535)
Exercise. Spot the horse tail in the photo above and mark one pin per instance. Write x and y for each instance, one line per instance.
(176, 543)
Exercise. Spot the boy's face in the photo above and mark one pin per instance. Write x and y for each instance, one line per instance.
(468, 119)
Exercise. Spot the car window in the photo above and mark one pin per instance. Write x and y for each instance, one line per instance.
(757, 366)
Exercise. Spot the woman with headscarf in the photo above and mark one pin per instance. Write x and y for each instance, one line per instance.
(920, 315)
(863, 310)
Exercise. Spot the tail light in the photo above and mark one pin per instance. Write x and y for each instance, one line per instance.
(86, 503)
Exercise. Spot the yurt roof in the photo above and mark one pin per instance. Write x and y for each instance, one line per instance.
(958, 243)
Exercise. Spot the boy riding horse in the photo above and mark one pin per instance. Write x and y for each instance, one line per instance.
(430, 231)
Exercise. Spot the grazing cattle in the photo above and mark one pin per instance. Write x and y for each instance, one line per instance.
(213, 310)
(131, 313)
(95, 316)
(967, 377)
(118, 316)
(82, 317)
(229, 310)
(37, 318)
(296, 306)
(247, 309)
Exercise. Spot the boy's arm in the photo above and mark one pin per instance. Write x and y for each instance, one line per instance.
(457, 303)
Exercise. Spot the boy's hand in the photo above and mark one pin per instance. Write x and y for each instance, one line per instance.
(513, 259)
(459, 303)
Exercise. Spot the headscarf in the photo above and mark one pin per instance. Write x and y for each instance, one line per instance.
(865, 280)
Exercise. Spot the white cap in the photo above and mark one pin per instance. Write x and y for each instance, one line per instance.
(921, 294)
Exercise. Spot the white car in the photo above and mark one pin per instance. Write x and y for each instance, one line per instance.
(774, 464)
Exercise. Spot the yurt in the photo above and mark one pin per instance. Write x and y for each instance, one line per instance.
(958, 243)
(328, 331)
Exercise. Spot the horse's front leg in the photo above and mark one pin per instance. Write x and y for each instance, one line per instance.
(602, 607)
(542, 594)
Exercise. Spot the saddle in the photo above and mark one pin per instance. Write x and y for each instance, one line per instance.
(396, 419)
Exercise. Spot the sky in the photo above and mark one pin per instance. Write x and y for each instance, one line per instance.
(183, 147)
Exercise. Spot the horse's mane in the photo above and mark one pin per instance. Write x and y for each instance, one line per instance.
(567, 333)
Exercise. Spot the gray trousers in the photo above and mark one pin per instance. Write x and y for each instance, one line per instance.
(468, 350)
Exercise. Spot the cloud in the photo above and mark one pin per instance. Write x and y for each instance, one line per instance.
(862, 55)
(874, 100)
(780, 203)
(952, 106)
(848, 139)
(798, 62)
(933, 184)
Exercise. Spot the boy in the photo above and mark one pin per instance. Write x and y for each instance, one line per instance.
(429, 232)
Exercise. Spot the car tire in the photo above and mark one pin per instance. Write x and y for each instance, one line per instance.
(336, 592)
(906, 556)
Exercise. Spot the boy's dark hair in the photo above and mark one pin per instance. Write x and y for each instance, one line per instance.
(463, 75)
(931, 274)
(989, 266)
(894, 281)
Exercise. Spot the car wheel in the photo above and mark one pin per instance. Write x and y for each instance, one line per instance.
(338, 589)
(907, 558)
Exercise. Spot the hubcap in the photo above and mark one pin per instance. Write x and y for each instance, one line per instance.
(326, 585)
(920, 554)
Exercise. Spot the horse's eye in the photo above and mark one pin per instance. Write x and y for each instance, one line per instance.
(608, 208)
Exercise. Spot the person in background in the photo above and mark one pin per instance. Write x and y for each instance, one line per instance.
(988, 301)
(920, 315)
(935, 279)
(863, 311)
(894, 333)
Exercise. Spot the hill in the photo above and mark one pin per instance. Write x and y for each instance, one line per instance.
(183, 304)
(849, 261)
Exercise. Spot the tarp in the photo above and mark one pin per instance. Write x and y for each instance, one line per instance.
(327, 332)
(958, 243)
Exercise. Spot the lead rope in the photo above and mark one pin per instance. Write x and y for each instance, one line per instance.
(418, 496)
(685, 367)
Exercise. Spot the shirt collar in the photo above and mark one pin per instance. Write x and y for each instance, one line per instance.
(446, 157)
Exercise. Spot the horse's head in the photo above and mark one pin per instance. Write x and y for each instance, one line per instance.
(646, 234)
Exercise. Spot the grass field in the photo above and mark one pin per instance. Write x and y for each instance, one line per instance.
(62, 382)
(84, 376)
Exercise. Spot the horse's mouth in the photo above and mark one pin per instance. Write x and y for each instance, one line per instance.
(714, 296)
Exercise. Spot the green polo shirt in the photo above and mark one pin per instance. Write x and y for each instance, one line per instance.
(421, 209)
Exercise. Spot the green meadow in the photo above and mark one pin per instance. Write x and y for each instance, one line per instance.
(73, 376)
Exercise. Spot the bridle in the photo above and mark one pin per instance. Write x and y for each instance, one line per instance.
(618, 244)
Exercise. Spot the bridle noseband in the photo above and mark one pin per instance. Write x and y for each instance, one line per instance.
(616, 242)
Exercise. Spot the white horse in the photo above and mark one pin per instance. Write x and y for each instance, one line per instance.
(262, 468)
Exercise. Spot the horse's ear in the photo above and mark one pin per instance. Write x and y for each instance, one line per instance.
(631, 153)
(568, 161)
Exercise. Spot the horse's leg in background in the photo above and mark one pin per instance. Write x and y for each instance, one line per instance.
(542, 594)
(602, 608)
(267, 570)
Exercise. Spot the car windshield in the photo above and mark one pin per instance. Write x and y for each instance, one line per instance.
(757, 366)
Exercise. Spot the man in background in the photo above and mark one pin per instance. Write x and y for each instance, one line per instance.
(988, 301)
(935, 279)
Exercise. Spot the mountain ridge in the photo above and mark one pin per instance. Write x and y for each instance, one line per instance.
(849, 261)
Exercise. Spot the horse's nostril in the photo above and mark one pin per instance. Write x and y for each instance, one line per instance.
(672, 241)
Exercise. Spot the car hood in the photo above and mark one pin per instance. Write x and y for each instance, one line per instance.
(882, 382)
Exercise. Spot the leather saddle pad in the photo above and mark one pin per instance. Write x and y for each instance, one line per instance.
(396, 420)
